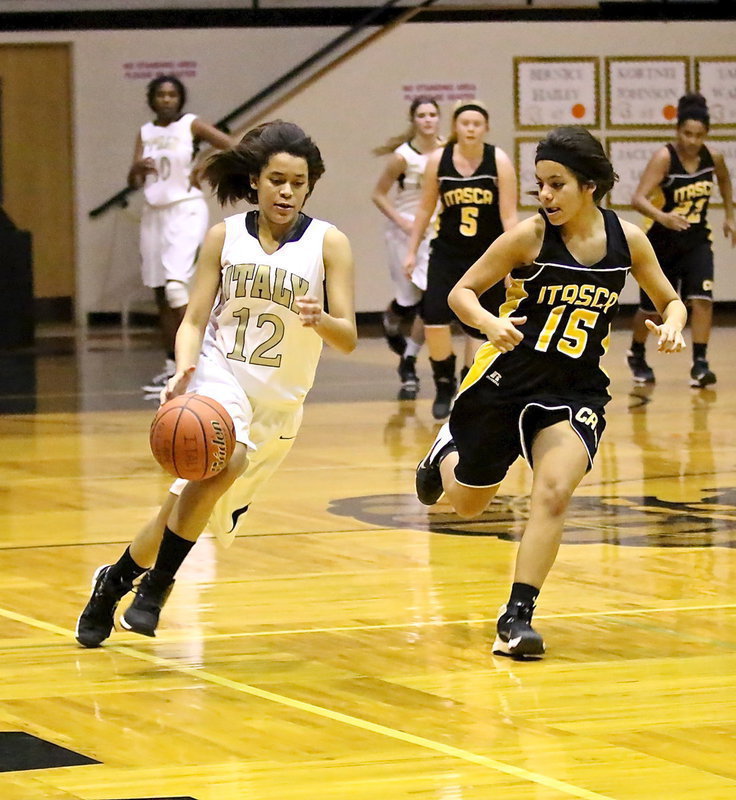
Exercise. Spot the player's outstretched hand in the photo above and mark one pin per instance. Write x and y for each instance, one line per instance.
(310, 311)
(177, 384)
(669, 338)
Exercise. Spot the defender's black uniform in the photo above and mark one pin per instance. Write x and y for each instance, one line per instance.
(469, 221)
(686, 256)
(554, 373)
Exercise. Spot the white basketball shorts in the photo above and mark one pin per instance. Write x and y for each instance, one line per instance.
(268, 432)
(170, 238)
(408, 292)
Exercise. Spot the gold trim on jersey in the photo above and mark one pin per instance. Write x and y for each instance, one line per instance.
(487, 352)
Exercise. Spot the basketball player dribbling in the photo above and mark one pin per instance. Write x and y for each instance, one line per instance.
(251, 339)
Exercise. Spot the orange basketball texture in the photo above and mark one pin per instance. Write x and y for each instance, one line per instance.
(192, 436)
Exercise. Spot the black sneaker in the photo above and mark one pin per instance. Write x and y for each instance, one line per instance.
(515, 636)
(409, 378)
(701, 375)
(151, 594)
(445, 392)
(97, 620)
(428, 480)
(640, 370)
(396, 340)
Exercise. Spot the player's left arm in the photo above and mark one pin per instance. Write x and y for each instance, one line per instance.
(506, 190)
(212, 135)
(337, 327)
(205, 132)
(648, 274)
(724, 186)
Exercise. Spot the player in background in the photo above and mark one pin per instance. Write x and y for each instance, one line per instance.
(251, 339)
(396, 195)
(674, 192)
(475, 183)
(536, 388)
(175, 217)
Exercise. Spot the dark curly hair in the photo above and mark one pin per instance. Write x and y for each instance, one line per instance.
(157, 81)
(230, 171)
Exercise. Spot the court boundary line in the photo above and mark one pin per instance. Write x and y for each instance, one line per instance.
(335, 716)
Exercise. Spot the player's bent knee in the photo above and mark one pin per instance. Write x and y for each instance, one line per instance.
(238, 462)
(177, 294)
(470, 506)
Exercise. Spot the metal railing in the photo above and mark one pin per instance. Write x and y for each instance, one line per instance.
(120, 198)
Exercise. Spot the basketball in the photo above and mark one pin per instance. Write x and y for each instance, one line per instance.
(192, 436)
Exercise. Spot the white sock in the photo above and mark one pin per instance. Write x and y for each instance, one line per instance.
(412, 348)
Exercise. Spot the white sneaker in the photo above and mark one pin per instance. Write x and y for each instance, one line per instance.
(159, 381)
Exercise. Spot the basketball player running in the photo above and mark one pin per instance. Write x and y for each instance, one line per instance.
(397, 195)
(674, 191)
(174, 218)
(251, 339)
(475, 183)
(536, 388)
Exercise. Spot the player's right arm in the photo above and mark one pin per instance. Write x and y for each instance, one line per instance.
(654, 173)
(203, 292)
(394, 167)
(140, 166)
(425, 210)
(514, 248)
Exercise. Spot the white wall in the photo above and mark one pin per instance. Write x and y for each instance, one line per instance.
(354, 107)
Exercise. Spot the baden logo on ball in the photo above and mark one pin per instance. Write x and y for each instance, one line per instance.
(192, 437)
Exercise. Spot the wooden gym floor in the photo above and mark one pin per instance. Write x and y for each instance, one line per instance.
(341, 648)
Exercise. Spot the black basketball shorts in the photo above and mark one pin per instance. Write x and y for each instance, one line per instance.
(491, 431)
(443, 273)
(689, 271)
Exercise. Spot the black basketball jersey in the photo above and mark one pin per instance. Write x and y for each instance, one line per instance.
(569, 309)
(469, 218)
(688, 195)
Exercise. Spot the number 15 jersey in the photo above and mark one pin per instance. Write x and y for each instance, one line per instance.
(569, 309)
(255, 331)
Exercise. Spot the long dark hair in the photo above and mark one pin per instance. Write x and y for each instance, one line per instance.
(230, 171)
(157, 81)
(577, 149)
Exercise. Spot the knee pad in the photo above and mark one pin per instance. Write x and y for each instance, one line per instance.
(405, 313)
(177, 294)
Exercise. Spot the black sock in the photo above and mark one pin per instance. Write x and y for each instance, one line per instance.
(523, 593)
(125, 569)
(172, 552)
(700, 351)
(637, 348)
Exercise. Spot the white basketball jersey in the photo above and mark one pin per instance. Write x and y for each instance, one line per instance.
(172, 148)
(255, 331)
(409, 185)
